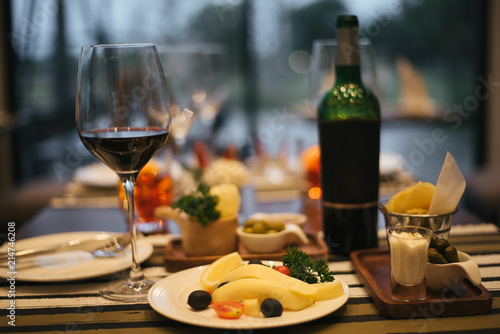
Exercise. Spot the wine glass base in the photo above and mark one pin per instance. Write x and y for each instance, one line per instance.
(126, 290)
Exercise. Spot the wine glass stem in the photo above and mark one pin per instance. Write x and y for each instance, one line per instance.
(128, 181)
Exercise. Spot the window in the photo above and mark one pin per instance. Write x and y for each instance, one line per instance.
(428, 59)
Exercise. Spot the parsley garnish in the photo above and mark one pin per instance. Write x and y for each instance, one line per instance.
(199, 204)
(306, 269)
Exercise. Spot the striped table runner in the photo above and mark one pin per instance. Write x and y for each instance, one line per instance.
(78, 308)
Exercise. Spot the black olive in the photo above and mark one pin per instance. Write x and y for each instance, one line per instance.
(271, 307)
(255, 261)
(199, 299)
(222, 284)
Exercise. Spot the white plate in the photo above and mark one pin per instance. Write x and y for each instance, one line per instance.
(96, 175)
(169, 298)
(71, 265)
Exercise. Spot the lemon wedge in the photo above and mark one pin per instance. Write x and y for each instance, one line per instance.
(213, 275)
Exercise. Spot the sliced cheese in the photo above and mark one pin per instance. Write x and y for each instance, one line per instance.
(250, 288)
(252, 307)
(272, 276)
(328, 290)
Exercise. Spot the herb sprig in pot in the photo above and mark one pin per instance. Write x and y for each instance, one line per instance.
(207, 219)
(199, 204)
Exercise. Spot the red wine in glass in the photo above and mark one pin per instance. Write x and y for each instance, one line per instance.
(124, 150)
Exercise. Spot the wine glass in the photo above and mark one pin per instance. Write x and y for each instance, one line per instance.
(196, 77)
(214, 81)
(183, 69)
(123, 118)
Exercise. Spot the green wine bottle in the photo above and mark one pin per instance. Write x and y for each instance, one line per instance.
(349, 137)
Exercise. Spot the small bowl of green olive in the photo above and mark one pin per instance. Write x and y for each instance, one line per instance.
(281, 217)
(447, 268)
(269, 236)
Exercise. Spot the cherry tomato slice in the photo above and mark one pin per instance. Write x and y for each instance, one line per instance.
(283, 270)
(229, 309)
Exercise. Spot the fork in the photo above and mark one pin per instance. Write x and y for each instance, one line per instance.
(103, 246)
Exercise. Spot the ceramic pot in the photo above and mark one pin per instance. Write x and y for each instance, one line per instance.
(217, 238)
(274, 242)
(440, 277)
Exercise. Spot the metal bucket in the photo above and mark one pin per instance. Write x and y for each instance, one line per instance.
(439, 224)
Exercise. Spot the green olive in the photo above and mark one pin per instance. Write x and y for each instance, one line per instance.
(441, 245)
(277, 225)
(248, 229)
(433, 244)
(259, 227)
(435, 257)
(450, 254)
(249, 223)
(271, 231)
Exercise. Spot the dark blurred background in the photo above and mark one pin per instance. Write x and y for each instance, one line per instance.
(269, 46)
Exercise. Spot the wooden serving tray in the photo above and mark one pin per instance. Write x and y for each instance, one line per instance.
(175, 259)
(374, 270)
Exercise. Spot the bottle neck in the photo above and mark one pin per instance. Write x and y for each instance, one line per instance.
(347, 56)
(348, 73)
